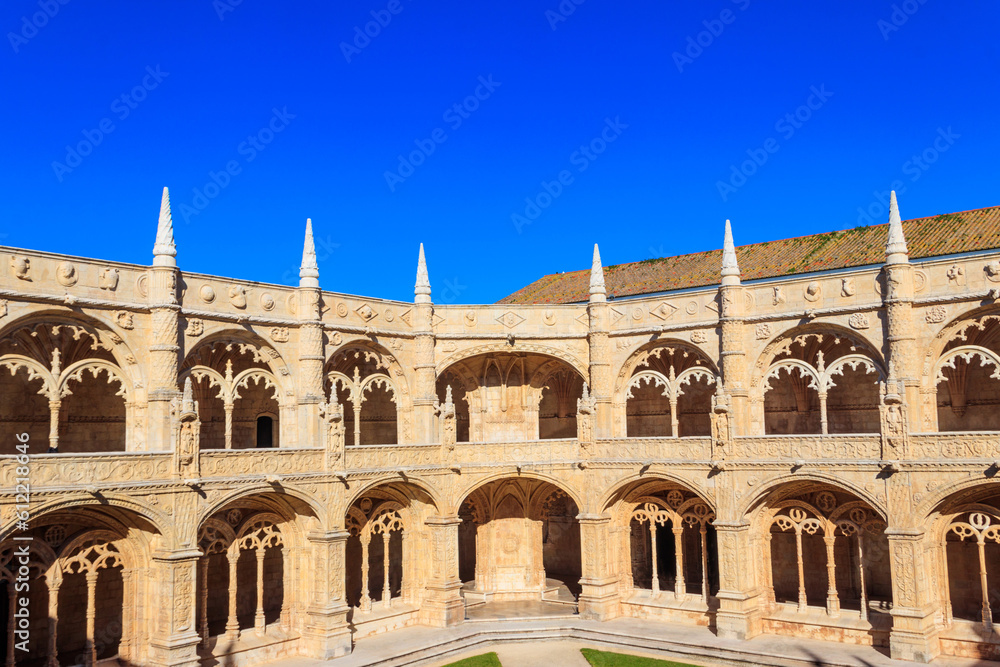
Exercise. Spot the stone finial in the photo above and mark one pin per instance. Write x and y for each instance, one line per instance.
(730, 267)
(309, 271)
(597, 291)
(895, 246)
(422, 290)
(448, 401)
(187, 402)
(164, 250)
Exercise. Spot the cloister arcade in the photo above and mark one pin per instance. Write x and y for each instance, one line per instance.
(519, 540)
(66, 385)
(666, 550)
(226, 472)
(239, 395)
(512, 396)
(364, 380)
(668, 391)
(817, 380)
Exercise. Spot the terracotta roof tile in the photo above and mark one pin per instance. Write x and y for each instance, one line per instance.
(925, 237)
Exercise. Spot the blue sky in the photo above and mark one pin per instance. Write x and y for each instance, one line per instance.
(641, 126)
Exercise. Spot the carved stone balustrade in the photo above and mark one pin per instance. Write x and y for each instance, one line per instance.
(855, 447)
(60, 471)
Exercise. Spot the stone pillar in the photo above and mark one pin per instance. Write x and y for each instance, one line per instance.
(739, 615)
(732, 352)
(444, 604)
(164, 349)
(327, 634)
(424, 390)
(599, 599)
(601, 375)
(914, 631)
(310, 347)
(174, 640)
(897, 295)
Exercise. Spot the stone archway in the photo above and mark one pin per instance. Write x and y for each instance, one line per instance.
(85, 565)
(251, 598)
(664, 551)
(816, 380)
(385, 571)
(520, 540)
(824, 562)
(513, 396)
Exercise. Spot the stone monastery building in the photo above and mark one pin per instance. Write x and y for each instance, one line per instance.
(796, 437)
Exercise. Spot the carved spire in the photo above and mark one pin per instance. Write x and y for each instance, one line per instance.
(187, 402)
(895, 246)
(448, 401)
(730, 267)
(164, 250)
(309, 271)
(597, 291)
(422, 290)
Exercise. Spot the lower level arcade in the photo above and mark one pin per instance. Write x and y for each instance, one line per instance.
(805, 557)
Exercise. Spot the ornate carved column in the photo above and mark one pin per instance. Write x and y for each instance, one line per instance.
(655, 582)
(599, 599)
(327, 634)
(164, 350)
(365, 604)
(232, 622)
(386, 584)
(203, 602)
(832, 599)
(915, 604)
(739, 615)
(174, 640)
(733, 354)
(90, 657)
(424, 390)
(600, 350)
(53, 581)
(259, 621)
(444, 604)
(897, 296)
(680, 590)
(54, 406)
(704, 562)
(310, 347)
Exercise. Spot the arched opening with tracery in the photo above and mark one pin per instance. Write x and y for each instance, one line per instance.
(235, 383)
(665, 550)
(519, 539)
(367, 386)
(817, 382)
(513, 396)
(668, 392)
(61, 382)
(384, 573)
(964, 539)
(966, 376)
(824, 553)
(84, 567)
(249, 593)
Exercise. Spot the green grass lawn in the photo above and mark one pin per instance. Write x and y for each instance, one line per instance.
(484, 660)
(606, 659)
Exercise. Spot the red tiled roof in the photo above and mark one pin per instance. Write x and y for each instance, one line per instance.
(925, 237)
